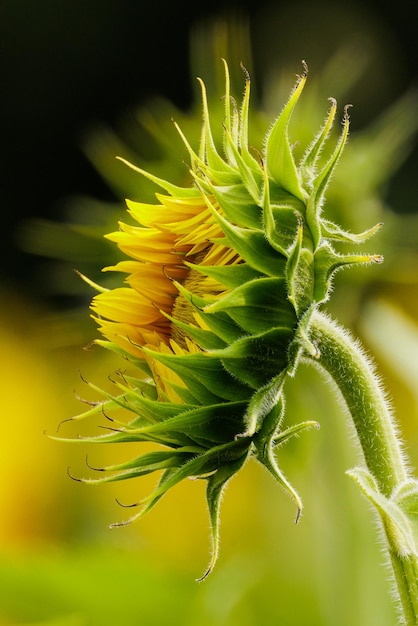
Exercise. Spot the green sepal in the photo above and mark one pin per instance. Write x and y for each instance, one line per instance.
(204, 463)
(220, 324)
(185, 394)
(251, 176)
(265, 451)
(113, 402)
(154, 460)
(262, 404)
(98, 407)
(258, 305)
(238, 207)
(243, 126)
(328, 262)
(217, 423)
(320, 183)
(231, 276)
(216, 484)
(293, 431)
(301, 282)
(206, 177)
(142, 465)
(151, 501)
(330, 230)
(309, 161)
(265, 446)
(280, 222)
(127, 436)
(195, 390)
(222, 174)
(205, 339)
(300, 275)
(201, 171)
(204, 370)
(302, 344)
(406, 496)
(223, 326)
(252, 247)
(257, 359)
(213, 159)
(399, 513)
(286, 221)
(279, 159)
(279, 229)
(135, 387)
(282, 198)
(153, 411)
(173, 190)
(109, 345)
(231, 120)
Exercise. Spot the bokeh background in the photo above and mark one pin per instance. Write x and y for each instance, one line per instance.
(81, 82)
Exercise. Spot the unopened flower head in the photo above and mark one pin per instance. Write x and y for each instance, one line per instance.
(221, 280)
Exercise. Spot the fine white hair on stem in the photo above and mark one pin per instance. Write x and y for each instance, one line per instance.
(368, 369)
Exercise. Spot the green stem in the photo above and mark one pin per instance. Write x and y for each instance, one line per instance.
(341, 357)
(369, 409)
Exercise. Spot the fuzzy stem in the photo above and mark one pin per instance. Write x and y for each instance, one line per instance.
(341, 357)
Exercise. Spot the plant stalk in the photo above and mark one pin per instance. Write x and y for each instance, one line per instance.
(352, 372)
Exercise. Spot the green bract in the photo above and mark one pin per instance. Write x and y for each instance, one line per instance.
(241, 338)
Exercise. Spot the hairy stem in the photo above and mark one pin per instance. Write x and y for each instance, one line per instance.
(341, 357)
(351, 371)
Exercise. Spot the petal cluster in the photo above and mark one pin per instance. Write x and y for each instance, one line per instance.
(221, 280)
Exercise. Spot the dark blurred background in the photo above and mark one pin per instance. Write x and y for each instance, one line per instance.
(68, 64)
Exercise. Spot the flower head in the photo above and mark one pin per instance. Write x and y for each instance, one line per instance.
(221, 280)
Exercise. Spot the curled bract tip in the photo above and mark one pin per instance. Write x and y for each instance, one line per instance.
(347, 107)
(126, 506)
(92, 467)
(77, 480)
(246, 72)
(67, 419)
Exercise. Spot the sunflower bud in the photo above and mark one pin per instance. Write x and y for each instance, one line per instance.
(221, 280)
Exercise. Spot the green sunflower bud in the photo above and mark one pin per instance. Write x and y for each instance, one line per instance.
(222, 280)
